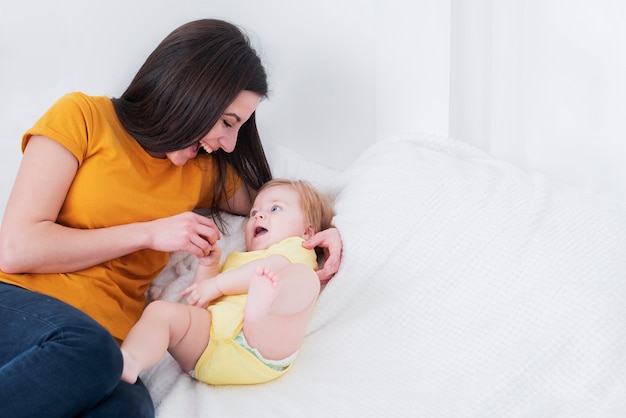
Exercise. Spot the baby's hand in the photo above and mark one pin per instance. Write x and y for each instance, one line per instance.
(200, 294)
(212, 259)
(193, 296)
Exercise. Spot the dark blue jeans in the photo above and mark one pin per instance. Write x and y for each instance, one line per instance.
(55, 361)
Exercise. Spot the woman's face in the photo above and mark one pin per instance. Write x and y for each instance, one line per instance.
(224, 133)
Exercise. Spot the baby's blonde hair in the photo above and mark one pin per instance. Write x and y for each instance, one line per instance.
(317, 207)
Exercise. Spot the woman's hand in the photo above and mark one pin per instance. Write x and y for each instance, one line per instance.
(187, 231)
(330, 241)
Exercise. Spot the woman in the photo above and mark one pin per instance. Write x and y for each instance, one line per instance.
(104, 192)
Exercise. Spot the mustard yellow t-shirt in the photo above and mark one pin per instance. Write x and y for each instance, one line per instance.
(117, 182)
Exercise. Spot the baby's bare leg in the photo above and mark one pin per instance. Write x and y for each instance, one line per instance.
(182, 329)
(278, 309)
(132, 367)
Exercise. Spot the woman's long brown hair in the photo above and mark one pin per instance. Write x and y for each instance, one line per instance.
(184, 87)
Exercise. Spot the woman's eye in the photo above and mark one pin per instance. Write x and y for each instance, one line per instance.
(227, 124)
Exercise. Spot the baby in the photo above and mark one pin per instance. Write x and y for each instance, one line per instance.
(244, 321)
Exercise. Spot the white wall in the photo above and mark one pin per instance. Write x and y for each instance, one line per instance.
(327, 61)
(568, 118)
(541, 83)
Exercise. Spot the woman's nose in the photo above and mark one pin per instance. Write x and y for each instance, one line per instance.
(227, 143)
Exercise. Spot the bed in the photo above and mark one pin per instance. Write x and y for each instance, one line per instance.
(468, 288)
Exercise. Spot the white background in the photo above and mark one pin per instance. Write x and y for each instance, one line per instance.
(540, 83)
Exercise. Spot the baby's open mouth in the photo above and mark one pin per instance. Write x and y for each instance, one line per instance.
(259, 230)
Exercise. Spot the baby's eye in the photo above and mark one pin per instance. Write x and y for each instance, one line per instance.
(275, 208)
(253, 212)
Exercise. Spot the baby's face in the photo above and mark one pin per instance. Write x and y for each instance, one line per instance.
(275, 215)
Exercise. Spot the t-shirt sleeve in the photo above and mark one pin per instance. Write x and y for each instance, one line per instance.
(66, 122)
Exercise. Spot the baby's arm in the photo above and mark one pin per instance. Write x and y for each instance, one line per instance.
(203, 288)
(209, 265)
(231, 282)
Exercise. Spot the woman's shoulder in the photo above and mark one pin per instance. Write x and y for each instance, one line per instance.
(73, 119)
(79, 105)
(85, 100)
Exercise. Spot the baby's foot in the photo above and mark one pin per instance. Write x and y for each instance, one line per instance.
(264, 287)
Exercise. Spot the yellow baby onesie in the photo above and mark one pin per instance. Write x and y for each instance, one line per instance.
(224, 361)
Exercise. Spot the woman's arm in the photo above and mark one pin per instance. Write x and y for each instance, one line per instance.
(32, 242)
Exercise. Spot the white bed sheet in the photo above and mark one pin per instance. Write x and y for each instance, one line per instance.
(468, 288)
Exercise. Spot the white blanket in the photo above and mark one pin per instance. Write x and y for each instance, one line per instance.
(468, 288)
